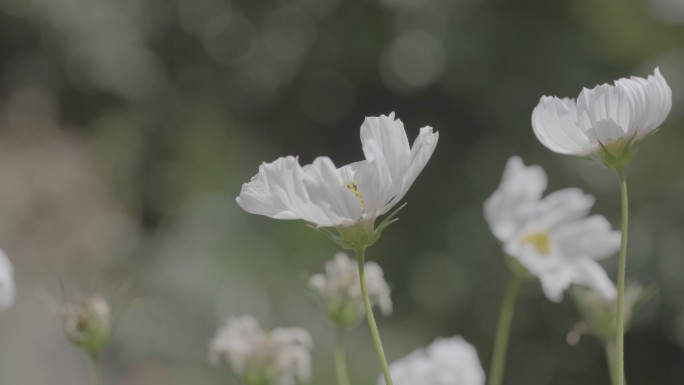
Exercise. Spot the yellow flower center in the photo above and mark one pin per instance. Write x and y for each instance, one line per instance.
(354, 188)
(540, 241)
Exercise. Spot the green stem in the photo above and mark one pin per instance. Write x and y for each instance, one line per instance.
(360, 257)
(95, 370)
(341, 359)
(622, 264)
(503, 330)
(610, 361)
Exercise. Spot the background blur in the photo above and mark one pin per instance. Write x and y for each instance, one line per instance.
(127, 127)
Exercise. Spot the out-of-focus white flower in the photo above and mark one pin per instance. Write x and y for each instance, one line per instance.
(278, 357)
(552, 238)
(88, 323)
(447, 361)
(7, 288)
(606, 120)
(348, 198)
(599, 313)
(340, 289)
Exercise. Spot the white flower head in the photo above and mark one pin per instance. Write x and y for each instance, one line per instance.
(88, 323)
(7, 287)
(340, 289)
(278, 357)
(606, 120)
(551, 237)
(447, 361)
(350, 197)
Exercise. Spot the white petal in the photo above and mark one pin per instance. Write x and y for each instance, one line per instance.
(327, 189)
(591, 237)
(7, 287)
(421, 152)
(555, 282)
(556, 125)
(589, 273)
(605, 114)
(258, 197)
(506, 210)
(650, 101)
(390, 137)
(559, 207)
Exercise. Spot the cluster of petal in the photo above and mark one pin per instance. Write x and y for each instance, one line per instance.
(7, 288)
(447, 361)
(340, 289)
(551, 237)
(327, 196)
(604, 118)
(278, 357)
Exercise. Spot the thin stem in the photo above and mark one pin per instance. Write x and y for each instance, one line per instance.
(503, 330)
(341, 359)
(610, 361)
(622, 264)
(95, 370)
(360, 257)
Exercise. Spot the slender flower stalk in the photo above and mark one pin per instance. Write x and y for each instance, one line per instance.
(622, 264)
(341, 358)
(360, 257)
(610, 361)
(503, 331)
(95, 370)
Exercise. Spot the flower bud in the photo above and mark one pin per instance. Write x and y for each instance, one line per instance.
(89, 323)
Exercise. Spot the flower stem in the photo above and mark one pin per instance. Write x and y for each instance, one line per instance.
(95, 369)
(622, 263)
(341, 359)
(360, 257)
(503, 329)
(610, 361)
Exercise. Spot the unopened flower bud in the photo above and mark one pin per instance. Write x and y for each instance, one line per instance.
(89, 323)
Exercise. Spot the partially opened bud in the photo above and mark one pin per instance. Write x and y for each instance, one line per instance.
(89, 323)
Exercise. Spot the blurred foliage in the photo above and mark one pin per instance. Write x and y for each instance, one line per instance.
(128, 126)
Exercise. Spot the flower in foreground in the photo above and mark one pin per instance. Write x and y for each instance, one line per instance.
(447, 361)
(551, 237)
(348, 198)
(278, 357)
(7, 288)
(605, 121)
(340, 290)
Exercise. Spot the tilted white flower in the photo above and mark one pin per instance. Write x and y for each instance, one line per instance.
(327, 196)
(447, 361)
(551, 237)
(606, 120)
(278, 357)
(7, 287)
(340, 289)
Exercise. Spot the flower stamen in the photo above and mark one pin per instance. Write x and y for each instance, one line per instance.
(354, 188)
(540, 241)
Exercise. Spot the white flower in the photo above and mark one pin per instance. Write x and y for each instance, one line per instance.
(447, 361)
(7, 288)
(605, 120)
(88, 323)
(551, 237)
(327, 196)
(279, 357)
(340, 289)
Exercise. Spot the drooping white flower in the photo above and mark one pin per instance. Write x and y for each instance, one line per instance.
(447, 361)
(278, 357)
(340, 289)
(327, 196)
(7, 287)
(606, 120)
(551, 237)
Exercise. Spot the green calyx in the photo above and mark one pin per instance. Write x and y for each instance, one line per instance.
(616, 155)
(361, 234)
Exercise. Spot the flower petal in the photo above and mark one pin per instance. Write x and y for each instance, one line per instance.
(650, 101)
(7, 287)
(555, 123)
(591, 237)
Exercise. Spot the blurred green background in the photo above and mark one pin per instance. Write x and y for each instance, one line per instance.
(127, 127)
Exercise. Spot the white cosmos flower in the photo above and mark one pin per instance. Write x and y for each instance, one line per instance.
(328, 196)
(447, 361)
(7, 288)
(278, 357)
(551, 237)
(605, 120)
(340, 289)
